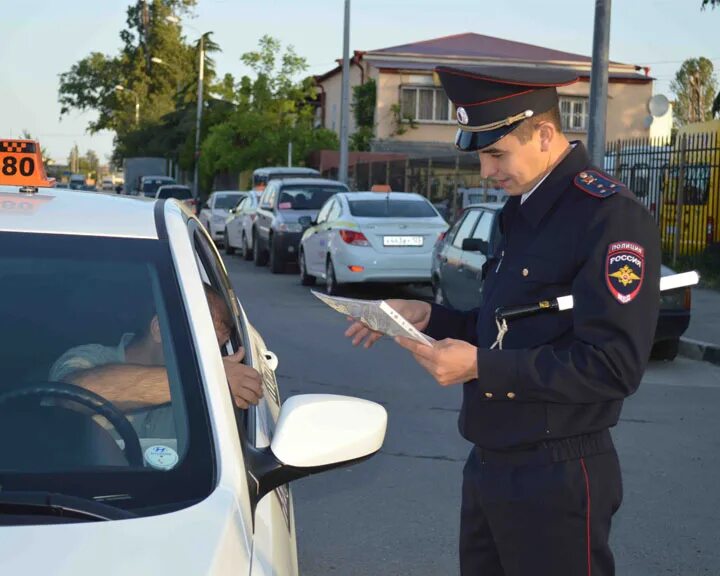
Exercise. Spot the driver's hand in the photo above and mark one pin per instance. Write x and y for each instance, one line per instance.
(245, 382)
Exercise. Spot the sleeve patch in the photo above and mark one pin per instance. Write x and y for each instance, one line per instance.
(624, 270)
(597, 184)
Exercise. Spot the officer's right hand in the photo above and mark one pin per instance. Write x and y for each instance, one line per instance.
(416, 312)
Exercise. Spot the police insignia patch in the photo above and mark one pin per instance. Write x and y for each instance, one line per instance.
(596, 184)
(624, 270)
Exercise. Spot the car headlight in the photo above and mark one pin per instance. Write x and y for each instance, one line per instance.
(290, 227)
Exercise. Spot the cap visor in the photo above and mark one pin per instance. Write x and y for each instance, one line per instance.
(469, 141)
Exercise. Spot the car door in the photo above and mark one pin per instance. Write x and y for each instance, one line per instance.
(315, 241)
(248, 217)
(206, 212)
(469, 277)
(264, 218)
(234, 224)
(274, 546)
(451, 267)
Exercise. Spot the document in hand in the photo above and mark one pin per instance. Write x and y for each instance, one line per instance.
(377, 315)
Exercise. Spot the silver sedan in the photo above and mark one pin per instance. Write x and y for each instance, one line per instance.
(370, 237)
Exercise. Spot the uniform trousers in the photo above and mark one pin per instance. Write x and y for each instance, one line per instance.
(543, 510)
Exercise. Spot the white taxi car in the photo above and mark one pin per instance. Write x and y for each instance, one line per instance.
(370, 237)
(171, 478)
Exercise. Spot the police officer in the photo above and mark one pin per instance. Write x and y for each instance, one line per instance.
(542, 482)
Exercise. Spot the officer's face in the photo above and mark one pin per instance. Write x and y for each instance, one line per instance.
(513, 165)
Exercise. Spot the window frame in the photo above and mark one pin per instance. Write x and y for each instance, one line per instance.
(585, 115)
(416, 88)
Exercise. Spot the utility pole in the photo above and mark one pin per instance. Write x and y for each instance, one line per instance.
(599, 83)
(345, 99)
(198, 119)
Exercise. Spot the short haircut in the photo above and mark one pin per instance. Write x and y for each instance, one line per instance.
(218, 306)
(528, 126)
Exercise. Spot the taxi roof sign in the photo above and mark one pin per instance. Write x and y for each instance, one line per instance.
(21, 164)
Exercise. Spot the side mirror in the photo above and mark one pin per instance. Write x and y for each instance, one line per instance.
(314, 433)
(475, 245)
(305, 221)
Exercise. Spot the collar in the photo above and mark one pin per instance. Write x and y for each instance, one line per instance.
(551, 187)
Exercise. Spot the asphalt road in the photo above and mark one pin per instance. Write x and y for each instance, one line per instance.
(397, 514)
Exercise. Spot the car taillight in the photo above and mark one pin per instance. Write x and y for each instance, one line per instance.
(354, 238)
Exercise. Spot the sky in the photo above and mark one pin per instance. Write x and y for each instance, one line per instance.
(49, 36)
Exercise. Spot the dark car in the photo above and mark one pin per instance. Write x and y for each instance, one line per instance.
(457, 263)
(277, 229)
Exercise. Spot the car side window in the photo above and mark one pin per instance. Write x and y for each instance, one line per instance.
(265, 198)
(240, 206)
(484, 227)
(213, 272)
(465, 228)
(335, 210)
(324, 211)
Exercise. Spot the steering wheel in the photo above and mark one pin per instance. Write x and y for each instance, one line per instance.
(91, 400)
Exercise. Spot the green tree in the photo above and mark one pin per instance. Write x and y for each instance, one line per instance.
(270, 110)
(711, 3)
(363, 106)
(155, 66)
(45, 156)
(694, 88)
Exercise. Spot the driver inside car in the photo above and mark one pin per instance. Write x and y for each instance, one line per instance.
(133, 377)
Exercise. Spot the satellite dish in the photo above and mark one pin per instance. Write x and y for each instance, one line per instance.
(647, 121)
(658, 105)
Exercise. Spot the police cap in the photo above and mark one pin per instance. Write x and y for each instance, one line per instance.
(492, 101)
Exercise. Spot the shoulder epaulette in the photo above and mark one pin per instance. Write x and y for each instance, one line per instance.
(597, 184)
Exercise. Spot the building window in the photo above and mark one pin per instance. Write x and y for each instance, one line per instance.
(574, 113)
(426, 104)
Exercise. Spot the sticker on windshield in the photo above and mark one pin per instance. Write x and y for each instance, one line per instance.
(161, 457)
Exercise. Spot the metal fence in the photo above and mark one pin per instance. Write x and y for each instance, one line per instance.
(679, 182)
(655, 170)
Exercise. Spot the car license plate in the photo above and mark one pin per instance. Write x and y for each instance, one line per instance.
(402, 240)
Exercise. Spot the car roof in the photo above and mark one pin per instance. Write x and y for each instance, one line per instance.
(174, 185)
(243, 192)
(306, 181)
(65, 211)
(285, 170)
(405, 196)
(487, 205)
(157, 177)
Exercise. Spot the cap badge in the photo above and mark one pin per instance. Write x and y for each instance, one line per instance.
(462, 116)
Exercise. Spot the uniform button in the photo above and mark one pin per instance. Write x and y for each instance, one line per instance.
(525, 272)
(488, 394)
(511, 395)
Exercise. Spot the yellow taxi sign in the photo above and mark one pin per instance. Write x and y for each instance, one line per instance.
(21, 164)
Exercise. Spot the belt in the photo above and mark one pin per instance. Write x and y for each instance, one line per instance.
(549, 451)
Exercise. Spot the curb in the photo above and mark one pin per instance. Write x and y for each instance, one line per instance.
(698, 350)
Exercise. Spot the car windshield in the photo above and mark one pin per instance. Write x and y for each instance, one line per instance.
(306, 197)
(100, 397)
(384, 208)
(227, 201)
(150, 186)
(179, 192)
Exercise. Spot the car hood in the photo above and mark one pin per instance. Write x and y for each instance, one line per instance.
(205, 539)
(220, 212)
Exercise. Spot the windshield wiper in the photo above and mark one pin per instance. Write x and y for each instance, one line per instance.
(59, 505)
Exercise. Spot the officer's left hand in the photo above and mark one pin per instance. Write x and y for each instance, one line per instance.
(449, 361)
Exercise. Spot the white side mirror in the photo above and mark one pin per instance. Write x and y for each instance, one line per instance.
(323, 429)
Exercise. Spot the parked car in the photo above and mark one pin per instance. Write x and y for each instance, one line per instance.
(277, 230)
(239, 226)
(150, 184)
(76, 181)
(120, 486)
(261, 176)
(179, 192)
(215, 211)
(370, 237)
(457, 276)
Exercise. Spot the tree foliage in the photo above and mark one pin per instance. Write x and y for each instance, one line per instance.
(271, 109)
(694, 88)
(363, 106)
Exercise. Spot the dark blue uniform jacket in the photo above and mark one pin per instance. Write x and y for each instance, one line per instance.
(565, 373)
